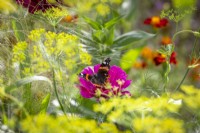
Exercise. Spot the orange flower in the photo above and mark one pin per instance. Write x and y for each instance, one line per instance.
(147, 53)
(70, 18)
(166, 40)
(140, 64)
(156, 21)
(195, 72)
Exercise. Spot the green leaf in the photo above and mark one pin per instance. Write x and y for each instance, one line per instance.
(27, 80)
(131, 37)
(110, 37)
(129, 58)
(45, 103)
(92, 23)
(17, 28)
(112, 22)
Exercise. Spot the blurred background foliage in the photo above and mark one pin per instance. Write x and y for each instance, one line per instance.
(44, 44)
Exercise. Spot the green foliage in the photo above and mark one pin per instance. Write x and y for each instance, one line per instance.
(41, 55)
(178, 14)
(131, 37)
(129, 58)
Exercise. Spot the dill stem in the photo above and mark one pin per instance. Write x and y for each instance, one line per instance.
(56, 92)
(191, 56)
(17, 102)
(182, 31)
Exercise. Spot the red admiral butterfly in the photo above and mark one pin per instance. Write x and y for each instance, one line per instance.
(101, 77)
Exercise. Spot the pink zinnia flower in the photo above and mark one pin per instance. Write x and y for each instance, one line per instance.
(115, 85)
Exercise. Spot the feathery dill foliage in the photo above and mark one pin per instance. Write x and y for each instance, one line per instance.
(181, 9)
(46, 49)
(176, 14)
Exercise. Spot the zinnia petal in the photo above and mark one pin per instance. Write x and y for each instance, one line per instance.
(88, 70)
(116, 73)
(85, 92)
(86, 84)
(126, 84)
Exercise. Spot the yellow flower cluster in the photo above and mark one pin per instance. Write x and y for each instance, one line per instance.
(55, 14)
(35, 35)
(19, 54)
(63, 124)
(129, 110)
(85, 58)
(157, 125)
(155, 106)
(190, 95)
(101, 7)
(49, 49)
(7, 6)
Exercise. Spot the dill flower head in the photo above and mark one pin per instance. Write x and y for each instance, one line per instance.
(115, 84)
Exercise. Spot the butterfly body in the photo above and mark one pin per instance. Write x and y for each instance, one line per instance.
(100, 78)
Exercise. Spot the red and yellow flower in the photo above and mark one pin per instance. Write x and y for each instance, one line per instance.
(156, 21)
(160, 58)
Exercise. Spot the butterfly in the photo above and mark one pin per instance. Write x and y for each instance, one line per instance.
(100, 78)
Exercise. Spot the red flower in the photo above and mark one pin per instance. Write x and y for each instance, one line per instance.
(173, 58)
(35, 5)
(156, 21)
(159, 59)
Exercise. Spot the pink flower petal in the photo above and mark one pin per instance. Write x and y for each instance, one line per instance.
(126, 84)
(88, 70)
(86, 93)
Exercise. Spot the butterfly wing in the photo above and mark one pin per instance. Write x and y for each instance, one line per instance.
(101, 77)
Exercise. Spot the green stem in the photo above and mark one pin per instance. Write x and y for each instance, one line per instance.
(182, 31)
(18, 103)
(176, 26)
(192, 54)
(185, 75)
(56, 92)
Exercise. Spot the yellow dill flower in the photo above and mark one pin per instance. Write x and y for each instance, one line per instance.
(19, 52)
(64, 39)
(158, 125)
(70, 64)
(116, 1)
(62, 124)
(103, 9)
(26, 71)
(36, 34)
(85, 58)
(7, 6)
(55, 14)
(191, 94)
